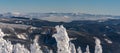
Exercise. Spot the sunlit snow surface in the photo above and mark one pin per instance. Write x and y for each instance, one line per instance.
(98, 47)
(64, 45)
(7, 47)
(62, 40)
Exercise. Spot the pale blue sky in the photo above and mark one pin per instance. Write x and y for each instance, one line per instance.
(83, 6)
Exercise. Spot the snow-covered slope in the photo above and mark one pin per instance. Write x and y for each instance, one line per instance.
(7, 47)
(64, 45)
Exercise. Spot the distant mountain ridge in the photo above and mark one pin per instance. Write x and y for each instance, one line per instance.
(60, 17)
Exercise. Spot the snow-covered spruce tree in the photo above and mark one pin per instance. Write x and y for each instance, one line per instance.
(72, 48)
(79, 50)
(18, 48)
(98, 47)
(35, 48)
(5, 46)
(62, 40)
(87, 49)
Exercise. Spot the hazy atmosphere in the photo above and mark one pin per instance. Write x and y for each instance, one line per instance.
(110, 7)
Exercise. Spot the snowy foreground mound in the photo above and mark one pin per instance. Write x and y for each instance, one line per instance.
(64, 45)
